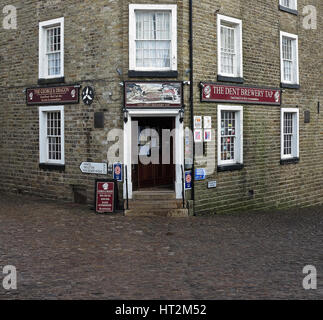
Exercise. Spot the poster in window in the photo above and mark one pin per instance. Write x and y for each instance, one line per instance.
(207, 122)
(207, 135)
(198, 135)
(197, 122)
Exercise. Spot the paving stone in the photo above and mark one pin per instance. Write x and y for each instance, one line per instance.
(81, 255)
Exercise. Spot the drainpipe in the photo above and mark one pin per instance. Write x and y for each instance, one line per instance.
(192, 91)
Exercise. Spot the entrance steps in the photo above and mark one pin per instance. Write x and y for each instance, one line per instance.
(155, 204)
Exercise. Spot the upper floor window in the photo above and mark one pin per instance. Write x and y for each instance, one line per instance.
(289, 58)
(51, 49)
(152, 37)
(290, 4)
(229, 46)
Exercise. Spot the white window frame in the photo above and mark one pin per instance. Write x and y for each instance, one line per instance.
(295, 140)
(237, 24)
(43, 143)
(290, 7)
(294, 37)
(132, 35)
(43, 63)
(239, 135)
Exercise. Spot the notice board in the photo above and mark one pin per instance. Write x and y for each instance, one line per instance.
(105, 196)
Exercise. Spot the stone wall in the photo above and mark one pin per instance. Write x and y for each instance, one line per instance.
(96, 45)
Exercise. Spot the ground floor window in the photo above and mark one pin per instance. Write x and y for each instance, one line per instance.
(289, 133)
(230, 135)
(51, 135)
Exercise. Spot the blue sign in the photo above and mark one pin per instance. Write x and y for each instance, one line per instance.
(117, 171)
(200, 174)
(188, 180)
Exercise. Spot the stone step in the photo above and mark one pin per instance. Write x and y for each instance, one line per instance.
(175, 213)
(157, 204)
(145, 213)
(154, 195)
(178, 213)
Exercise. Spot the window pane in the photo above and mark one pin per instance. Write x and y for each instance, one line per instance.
(288, 133)
(153, 54)
(54, 135)
(228, 135)
(289, 4)
(288, 59)
(54, 64)
(228, 54)
(53, 51)
(153, 39)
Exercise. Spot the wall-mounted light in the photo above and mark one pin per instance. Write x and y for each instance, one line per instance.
(125, 115)
(186, 83)
(181, 115)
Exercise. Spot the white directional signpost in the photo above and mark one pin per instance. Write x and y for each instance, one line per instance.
(94, 168)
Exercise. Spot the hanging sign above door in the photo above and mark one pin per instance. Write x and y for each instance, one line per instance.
(153, 94)
(214, 92)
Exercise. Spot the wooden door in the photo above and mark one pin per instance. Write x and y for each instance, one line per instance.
(155, 175)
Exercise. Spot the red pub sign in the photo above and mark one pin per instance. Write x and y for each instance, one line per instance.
(52, 95)
(213, 92)
(104, 197)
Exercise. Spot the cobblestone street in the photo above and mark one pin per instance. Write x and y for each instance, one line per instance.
(65, 251)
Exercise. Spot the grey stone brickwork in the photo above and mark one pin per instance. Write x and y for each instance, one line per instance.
(96, 45)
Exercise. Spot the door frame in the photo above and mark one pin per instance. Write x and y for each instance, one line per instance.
(179, 146)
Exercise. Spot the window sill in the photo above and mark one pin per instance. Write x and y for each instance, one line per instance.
(51, 81)
(290, 86)
(230, 79)
(289, 161)
(52, 167)
(152, 74)
(289, 10)
(231, 167)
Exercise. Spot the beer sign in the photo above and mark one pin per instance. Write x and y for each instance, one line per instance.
(214, 92)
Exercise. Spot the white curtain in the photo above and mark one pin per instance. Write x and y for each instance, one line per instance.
(153, 39)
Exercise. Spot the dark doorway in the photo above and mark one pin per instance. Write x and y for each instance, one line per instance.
(154, 175)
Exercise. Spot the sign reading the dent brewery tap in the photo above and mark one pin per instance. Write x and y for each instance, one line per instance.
(52, 95)
(153, 94)
(213, 92)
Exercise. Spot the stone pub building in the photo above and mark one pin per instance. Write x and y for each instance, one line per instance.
(242, 79)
